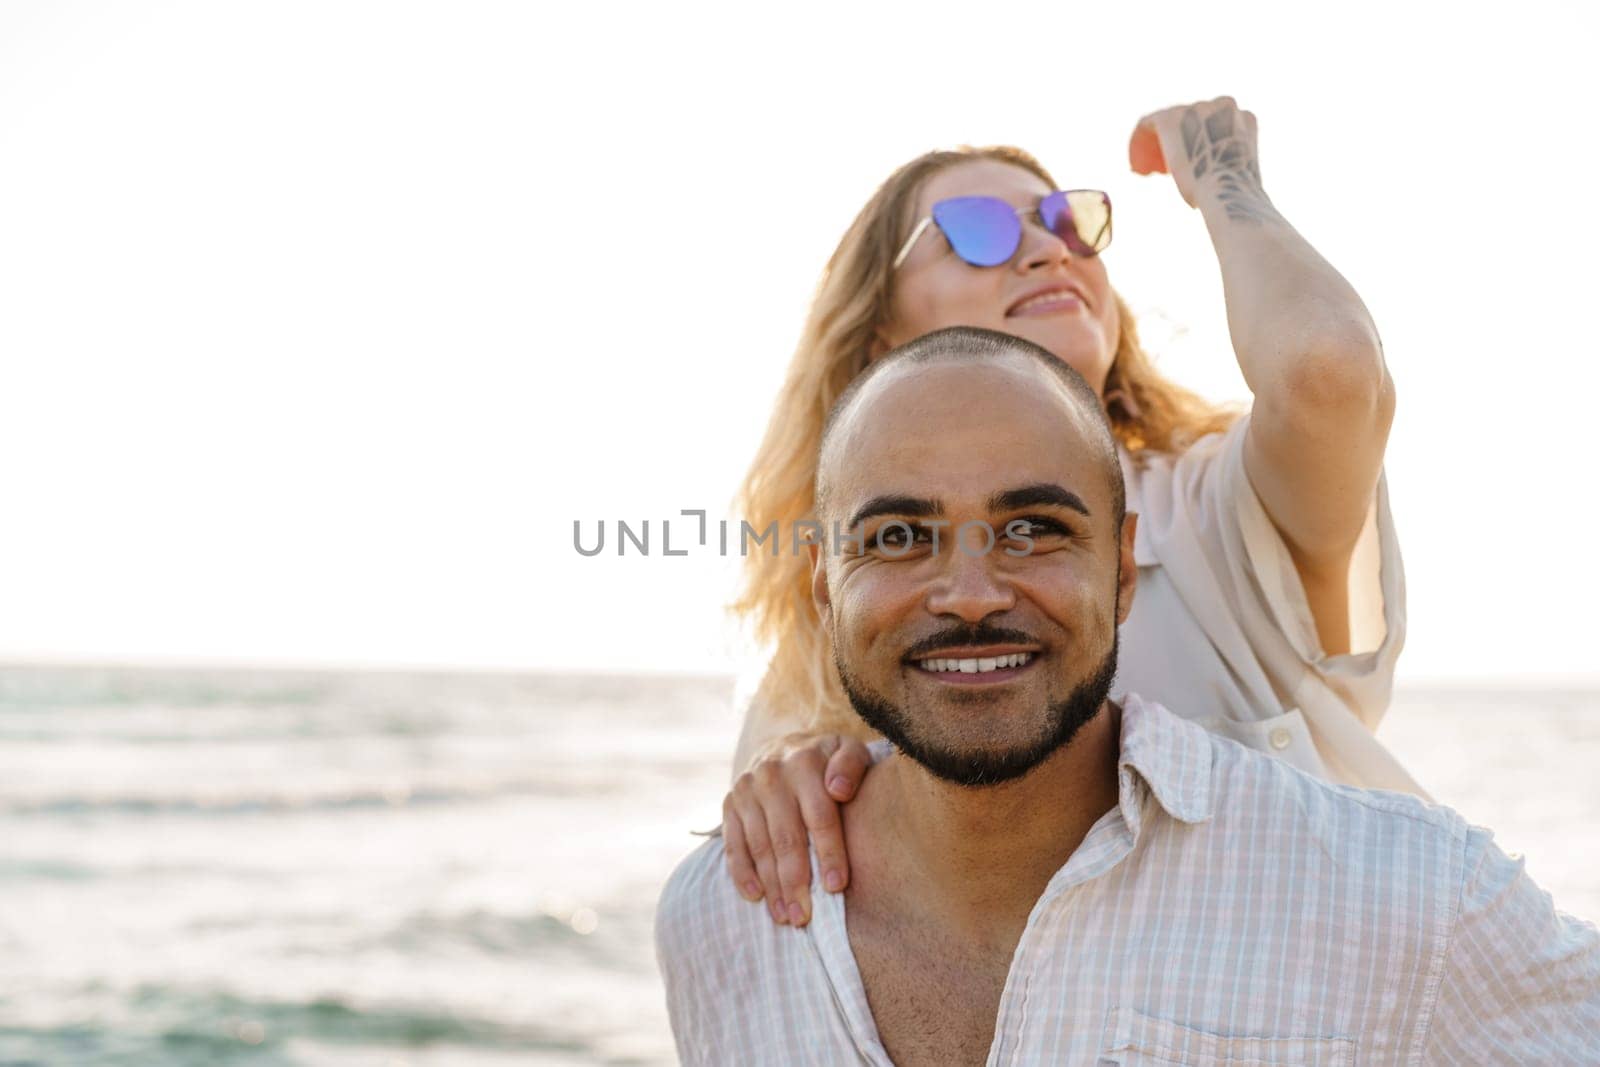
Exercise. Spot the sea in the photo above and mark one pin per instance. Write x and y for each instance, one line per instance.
(383, 869)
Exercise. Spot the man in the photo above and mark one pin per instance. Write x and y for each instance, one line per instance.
(1040, 876)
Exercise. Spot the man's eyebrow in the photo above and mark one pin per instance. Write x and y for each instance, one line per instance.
(896, 504)
(1032, 496)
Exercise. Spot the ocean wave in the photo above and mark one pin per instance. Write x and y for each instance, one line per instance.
(532, 934)
(208, 1027)
(268, 801)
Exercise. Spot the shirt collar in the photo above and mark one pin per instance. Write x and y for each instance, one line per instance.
(1170, 756)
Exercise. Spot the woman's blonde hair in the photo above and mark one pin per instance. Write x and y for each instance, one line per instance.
(1147, 413)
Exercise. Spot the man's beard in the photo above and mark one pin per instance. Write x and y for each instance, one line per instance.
(1064, 720)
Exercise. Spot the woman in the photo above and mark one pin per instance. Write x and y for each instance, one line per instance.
(1271, 599)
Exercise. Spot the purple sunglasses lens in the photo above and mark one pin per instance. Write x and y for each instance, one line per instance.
(982, 230)
(1080, 217)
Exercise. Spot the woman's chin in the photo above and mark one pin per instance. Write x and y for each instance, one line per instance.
(1080, 345)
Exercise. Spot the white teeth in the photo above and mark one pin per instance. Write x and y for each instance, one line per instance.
(976, 665)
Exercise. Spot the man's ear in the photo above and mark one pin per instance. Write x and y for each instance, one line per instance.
(1128, 568)
(821, 598)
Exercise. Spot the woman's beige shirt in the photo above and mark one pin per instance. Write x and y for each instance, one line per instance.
(1221, 629)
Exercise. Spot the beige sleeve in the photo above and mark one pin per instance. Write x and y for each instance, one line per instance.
(1234, 572)
(1362, 678)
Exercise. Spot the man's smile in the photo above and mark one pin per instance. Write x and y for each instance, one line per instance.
(968, 667)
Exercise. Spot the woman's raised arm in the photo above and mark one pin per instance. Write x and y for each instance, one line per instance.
(1307, 347)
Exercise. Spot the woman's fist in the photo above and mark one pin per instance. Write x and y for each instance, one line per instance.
(1208, 148)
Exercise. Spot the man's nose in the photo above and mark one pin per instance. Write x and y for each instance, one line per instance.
(969, 584)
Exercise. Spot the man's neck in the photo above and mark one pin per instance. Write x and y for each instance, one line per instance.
(975, 860)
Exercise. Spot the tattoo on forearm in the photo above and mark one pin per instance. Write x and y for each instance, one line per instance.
(1217, 145)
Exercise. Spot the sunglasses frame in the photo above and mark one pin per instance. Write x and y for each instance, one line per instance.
(928, 219)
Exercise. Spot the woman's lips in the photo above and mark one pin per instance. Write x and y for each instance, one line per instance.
(1048, 304)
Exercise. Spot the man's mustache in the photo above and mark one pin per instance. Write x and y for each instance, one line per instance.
(971, 634)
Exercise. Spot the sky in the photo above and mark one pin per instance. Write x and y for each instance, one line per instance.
(321, 323)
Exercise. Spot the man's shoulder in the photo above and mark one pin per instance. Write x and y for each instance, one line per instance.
(1343, 820)
(1248, 785)
(695, 884)
(700, 910)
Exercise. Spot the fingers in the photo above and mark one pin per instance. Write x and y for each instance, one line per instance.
(759, 843)
(1155, 142)
(741, 868)
(845, 769)
(821, 777)
(1194, 143)
(1144, 150)
(1167, 119)
(821, 814)
(773, 809)
(787, 833)
(774, 837)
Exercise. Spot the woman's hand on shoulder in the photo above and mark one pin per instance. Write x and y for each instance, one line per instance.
(793, 788)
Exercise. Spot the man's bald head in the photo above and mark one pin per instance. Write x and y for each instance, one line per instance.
(1080, 404)
(983, 491)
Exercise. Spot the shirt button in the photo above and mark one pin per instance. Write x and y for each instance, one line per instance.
(1279, 738)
